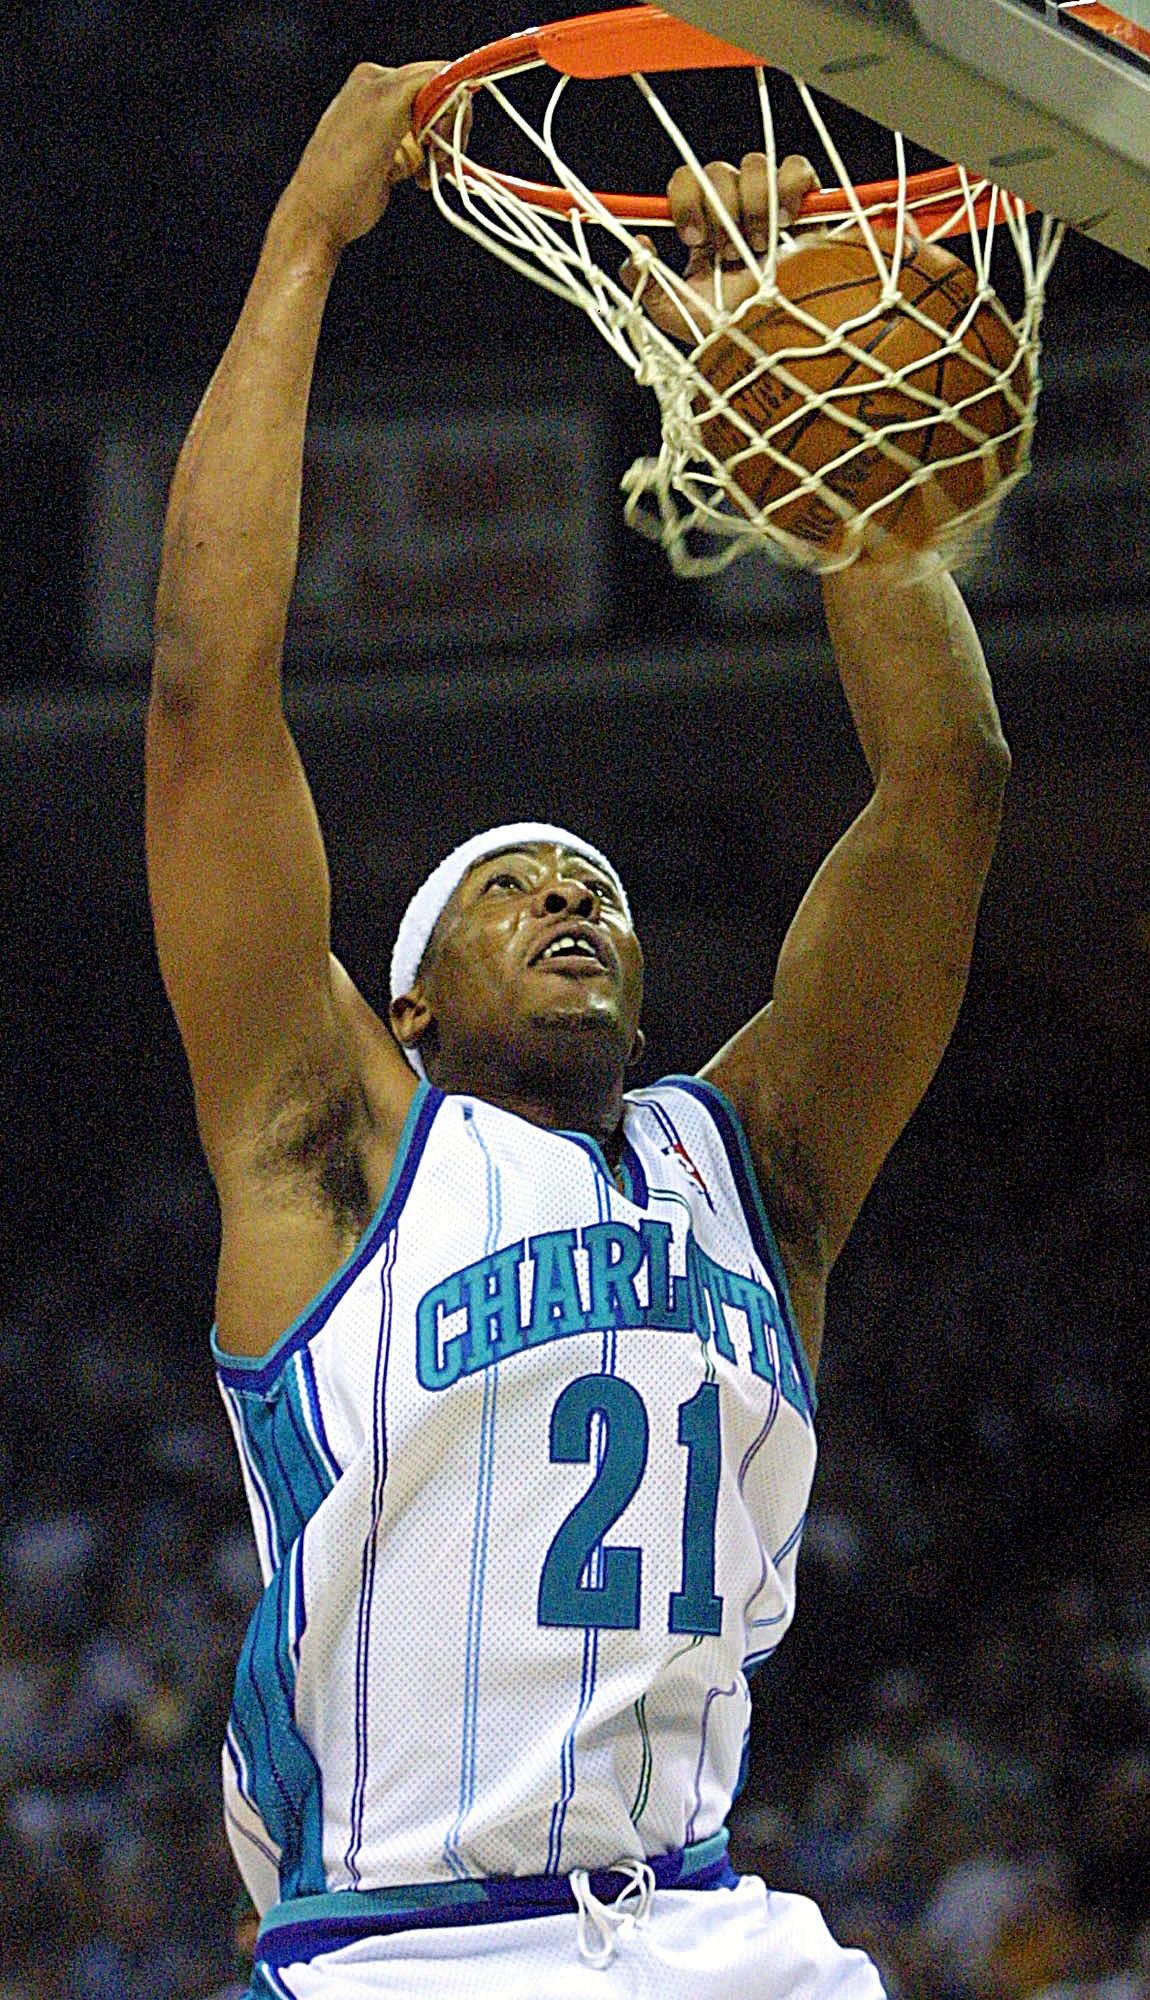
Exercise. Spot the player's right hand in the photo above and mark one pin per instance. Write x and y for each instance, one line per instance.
(361, 148)
(745, 193)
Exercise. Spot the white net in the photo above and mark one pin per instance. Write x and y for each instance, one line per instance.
(815, 408)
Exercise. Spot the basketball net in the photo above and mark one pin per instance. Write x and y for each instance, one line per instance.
(572, 240)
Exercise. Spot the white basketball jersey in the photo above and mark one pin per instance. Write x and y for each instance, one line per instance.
(528, 1480)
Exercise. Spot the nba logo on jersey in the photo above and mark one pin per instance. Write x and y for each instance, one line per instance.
(516, 1443)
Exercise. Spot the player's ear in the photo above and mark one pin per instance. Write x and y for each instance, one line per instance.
(637, 1048)
(411, 1016)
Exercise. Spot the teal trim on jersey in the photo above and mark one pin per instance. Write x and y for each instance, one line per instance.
(266, 1984)
(500, 1307)
(418, 1898)
(241, 1369)
(702, 1088)
(284, 1777)
(294, 1475)
(400, 1902)
(700, 1855)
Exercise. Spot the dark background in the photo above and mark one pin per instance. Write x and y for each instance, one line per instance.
(951, 1750)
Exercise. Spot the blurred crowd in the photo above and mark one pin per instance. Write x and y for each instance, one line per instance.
(975, 1672)
(951, 1752)
(952, 1749)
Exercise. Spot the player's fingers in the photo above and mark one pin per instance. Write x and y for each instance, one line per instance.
(631, 271)
(693, 213)
(724, 179)
(797, 179)
(686, 201)
(408, 160)
(452, 128)
(755, 199)
(442, 137)
(652, 294)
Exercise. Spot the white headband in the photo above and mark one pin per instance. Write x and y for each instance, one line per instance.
(428, 903)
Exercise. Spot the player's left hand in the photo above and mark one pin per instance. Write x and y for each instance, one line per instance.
(717, 272)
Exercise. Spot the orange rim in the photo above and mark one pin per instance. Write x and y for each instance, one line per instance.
(641, 39)
(1111, 27)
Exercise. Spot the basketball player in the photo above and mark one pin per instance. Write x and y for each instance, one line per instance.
(520, 1368)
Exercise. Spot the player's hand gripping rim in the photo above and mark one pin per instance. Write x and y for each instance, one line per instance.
(717, 275)
(362, 148)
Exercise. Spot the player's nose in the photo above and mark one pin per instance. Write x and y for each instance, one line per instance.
(571, 899)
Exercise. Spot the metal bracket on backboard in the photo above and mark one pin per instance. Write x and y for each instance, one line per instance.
(1009, 91)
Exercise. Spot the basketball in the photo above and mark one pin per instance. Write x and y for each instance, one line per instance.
(944, 354)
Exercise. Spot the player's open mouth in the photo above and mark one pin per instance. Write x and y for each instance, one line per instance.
(572, 951)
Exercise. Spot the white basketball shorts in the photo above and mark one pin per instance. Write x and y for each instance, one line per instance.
(743, 1943)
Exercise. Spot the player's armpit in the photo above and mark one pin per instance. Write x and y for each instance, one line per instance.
(867, 991)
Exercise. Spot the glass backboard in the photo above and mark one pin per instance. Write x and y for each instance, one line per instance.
(1051, 100)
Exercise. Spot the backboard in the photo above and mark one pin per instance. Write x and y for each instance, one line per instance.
(1050, 100)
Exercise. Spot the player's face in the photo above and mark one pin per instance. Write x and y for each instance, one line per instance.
(535, 941)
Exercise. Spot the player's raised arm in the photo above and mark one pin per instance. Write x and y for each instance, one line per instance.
(236, 864)
(873, 968)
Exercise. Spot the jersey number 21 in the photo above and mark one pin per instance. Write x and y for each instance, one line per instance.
(613, 1599)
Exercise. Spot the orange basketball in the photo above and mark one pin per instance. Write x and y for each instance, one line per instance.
(835, 280)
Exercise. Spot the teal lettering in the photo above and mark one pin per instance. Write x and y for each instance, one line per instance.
(708, 1290)
(488, 1293)
(718, 1285)
(565, 1598)
(615, 1253)
(435, 1372)
(762, 1310)
(700, 1316)
(555, 1304)
(491, 1297)
(758, 1305)
(669, 1305)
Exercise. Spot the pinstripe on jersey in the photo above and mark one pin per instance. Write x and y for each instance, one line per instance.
(528, 1481)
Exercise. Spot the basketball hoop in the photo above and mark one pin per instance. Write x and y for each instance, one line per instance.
(695, 497)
